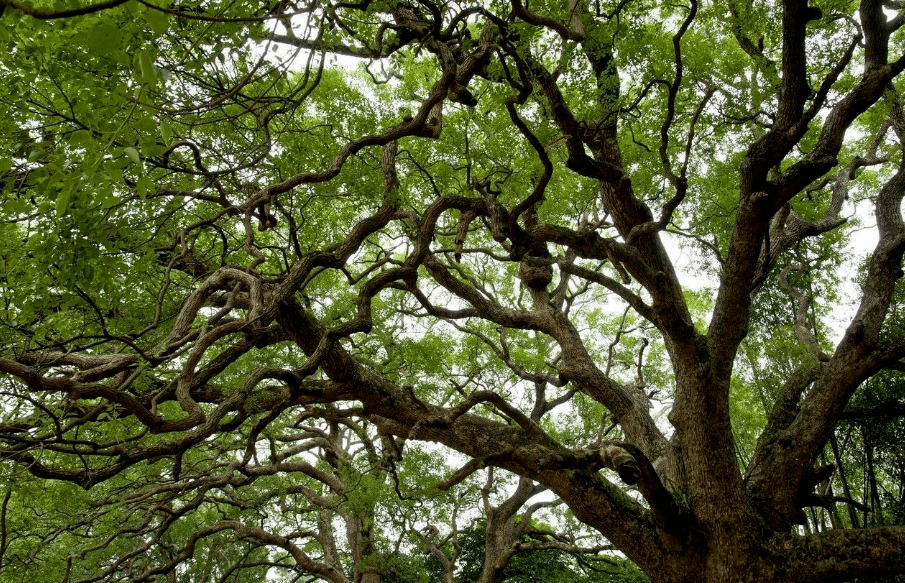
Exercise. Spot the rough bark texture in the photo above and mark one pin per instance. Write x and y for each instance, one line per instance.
(698, 516)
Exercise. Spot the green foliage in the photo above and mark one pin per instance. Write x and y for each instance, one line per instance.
(175, 176)
(536, 566)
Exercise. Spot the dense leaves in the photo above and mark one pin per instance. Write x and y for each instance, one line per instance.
(550, 564)
(421, 291)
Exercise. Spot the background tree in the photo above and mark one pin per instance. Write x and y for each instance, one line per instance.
(253, 255)
(546, 560)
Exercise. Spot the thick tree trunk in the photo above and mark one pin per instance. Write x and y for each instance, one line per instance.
(708, 531)
(827, 557)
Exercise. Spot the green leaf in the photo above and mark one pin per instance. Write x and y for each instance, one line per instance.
(151, 147)
(63, 201)
(81, 138)
(146, 72)
(102, 39)
(132, 153)
(105, 195)
(145, 186)
(158, 21)
(166, 131)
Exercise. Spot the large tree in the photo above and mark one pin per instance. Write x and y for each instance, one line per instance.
(603, 246)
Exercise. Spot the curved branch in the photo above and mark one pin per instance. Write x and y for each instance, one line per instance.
(44, 14)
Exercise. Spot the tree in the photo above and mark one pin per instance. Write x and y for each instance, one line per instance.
(547, 560)
(235, 515)
(459, 224)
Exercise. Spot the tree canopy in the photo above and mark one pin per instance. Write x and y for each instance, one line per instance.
(344, 291)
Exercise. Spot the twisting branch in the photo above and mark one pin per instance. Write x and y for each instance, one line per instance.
(519, 10)
(43, 14)
(803, 302)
